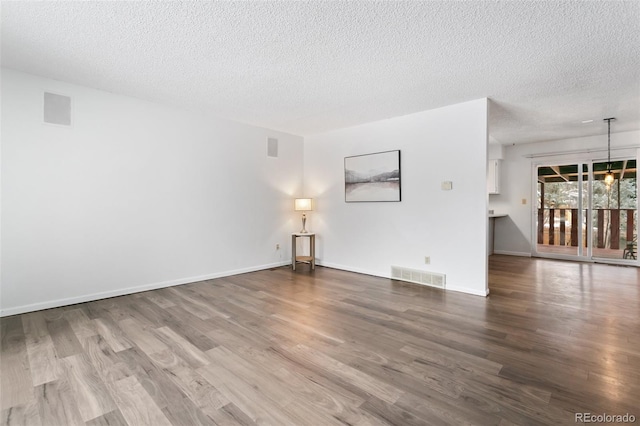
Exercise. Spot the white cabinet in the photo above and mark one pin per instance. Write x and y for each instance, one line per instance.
(493, 177)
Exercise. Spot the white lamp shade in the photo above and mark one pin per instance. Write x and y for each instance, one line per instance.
(303, 204)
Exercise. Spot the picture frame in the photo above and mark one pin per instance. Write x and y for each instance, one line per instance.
(373, 177)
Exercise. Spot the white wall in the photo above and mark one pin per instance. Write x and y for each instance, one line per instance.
(446, 144)
(134, 195)
(513, 235)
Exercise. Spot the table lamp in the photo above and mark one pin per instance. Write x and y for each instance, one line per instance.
(303, 205)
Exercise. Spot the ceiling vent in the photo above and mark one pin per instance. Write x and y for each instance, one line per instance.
(57, 109)
(272, 147)
(432, 279)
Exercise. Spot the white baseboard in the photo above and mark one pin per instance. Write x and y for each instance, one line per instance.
(130, 290)
(153, 286)
(512, 253)
(466, 290)
(352, 269)
(448, 287)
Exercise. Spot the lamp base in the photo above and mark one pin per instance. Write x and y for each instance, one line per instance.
(304, 223)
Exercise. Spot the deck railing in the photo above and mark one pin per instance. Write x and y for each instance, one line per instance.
(612, 227)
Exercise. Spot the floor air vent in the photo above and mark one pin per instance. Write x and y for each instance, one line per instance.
(432, 279)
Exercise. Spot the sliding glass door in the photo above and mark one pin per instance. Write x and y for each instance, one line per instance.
(581, 216)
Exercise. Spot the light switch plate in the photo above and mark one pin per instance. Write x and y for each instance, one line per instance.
(447, 185)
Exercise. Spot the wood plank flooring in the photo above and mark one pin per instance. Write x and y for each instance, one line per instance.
(330, 347)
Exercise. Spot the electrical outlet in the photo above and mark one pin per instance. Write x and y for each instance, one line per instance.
(277, 246)
(427, 260)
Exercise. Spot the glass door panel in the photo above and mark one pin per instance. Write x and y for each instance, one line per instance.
(560, 223)
(614, 218)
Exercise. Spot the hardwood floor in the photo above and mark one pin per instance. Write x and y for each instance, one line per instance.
(331, 347)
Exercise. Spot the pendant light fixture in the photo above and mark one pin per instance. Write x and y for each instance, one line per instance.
(608, 177)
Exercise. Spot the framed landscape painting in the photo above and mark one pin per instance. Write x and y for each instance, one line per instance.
(372, 177)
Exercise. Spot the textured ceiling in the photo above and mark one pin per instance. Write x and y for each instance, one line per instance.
(309, 67)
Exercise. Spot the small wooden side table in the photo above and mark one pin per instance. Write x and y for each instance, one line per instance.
(312, 250)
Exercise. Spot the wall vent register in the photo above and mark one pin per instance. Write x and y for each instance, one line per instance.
(416, 276)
